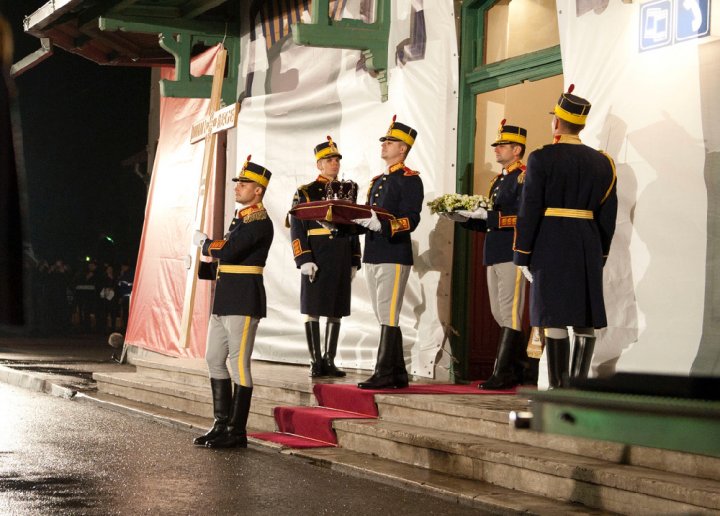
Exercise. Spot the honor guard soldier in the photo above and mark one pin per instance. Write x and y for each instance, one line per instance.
(388, 254)
(564, 229)
(238, 305)
(328, 260)
(506, 284)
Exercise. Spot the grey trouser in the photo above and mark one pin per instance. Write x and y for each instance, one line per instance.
(386, 285)
(231, 337)
(506, 288)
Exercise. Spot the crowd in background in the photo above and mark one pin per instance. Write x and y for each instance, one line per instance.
(87, 298)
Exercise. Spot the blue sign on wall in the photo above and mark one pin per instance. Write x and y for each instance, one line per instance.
(692, 19)
(663, 22)
(655, 24)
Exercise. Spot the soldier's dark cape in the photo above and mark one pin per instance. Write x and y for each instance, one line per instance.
(240, 257)
(334, 254)
(566, 254)
(505, 191)
(401, 193)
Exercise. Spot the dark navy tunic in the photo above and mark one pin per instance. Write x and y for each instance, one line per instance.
(335, 253)
(566, 246)
(241, 256)
(401, 193)
(504, 193)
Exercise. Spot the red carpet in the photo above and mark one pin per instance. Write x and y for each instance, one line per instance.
(311, 427)
(362, 401)
(312, 422)
(291, 441)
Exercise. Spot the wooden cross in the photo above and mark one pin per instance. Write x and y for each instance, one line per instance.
(215, 121)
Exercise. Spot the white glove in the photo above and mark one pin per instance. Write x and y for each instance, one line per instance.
(187, 261)
(526, 272)
(327, 225)
(477, 213)
(309, 269)
(454, 216)
(198, 238)
(353, 272)
(372, 223)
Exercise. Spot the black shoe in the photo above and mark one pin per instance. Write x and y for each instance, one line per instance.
(510, 349)
(582, 356)
(235, 434)
(312, 334)
(558, 361)
(332, 330)
(222, 397)
(384, 376)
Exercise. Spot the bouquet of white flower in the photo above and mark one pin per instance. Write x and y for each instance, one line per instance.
(454, 202)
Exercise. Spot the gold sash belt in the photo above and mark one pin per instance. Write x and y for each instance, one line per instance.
(240, 269)
(318, 231)
(568, 213)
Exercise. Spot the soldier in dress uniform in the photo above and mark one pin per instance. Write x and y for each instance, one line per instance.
(388, 251)
(564, 229)
(238, 305)
(506, 284)
(328, 260)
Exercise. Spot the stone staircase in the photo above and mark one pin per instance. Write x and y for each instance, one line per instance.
(455, 446)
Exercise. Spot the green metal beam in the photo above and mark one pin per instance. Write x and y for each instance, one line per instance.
(370, 38)
(658, 422)
(179, 38)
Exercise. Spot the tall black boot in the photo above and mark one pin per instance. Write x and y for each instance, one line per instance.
(505, 375)
(399, 370)
(558, 361)
(383, 377)
(222, 397)
(235, 435)
(582, 356)
(332, 330)
(530, 373)
(312, 334)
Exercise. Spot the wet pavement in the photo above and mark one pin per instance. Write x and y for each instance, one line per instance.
(61, 456)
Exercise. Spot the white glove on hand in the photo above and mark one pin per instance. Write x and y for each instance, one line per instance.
(198, 238)
(309, 269)
(526, 272)
(454, 216)
(187, 261)
(353, 272)
(372, 223)
(327, 225)
(478, 213)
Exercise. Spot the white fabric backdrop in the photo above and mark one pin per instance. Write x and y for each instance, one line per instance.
(647, 114)
(302, 94)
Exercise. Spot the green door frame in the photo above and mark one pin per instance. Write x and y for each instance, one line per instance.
(475, 78)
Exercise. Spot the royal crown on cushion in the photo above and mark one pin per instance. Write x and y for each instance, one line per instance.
(341, 191)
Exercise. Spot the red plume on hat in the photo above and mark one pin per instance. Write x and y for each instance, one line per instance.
(571, 88)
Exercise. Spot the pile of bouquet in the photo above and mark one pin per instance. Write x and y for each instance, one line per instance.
(454, 202)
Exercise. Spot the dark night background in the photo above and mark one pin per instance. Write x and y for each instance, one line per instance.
(80, 120)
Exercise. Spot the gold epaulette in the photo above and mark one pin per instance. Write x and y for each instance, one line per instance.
(410, 172)
(256, 215)
(521, 177)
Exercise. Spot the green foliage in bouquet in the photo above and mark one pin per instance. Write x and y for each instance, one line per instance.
(454, 202)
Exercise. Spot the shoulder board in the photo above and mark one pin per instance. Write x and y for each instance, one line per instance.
(376, 178)
(254, 216)
(410, 172)
(521, 177)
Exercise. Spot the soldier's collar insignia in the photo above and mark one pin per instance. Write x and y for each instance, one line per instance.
(396, 167)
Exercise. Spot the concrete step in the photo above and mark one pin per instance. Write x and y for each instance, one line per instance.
(487, 416)
(557, 475)
(172, 371)
(181, 398)
(488, 498)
